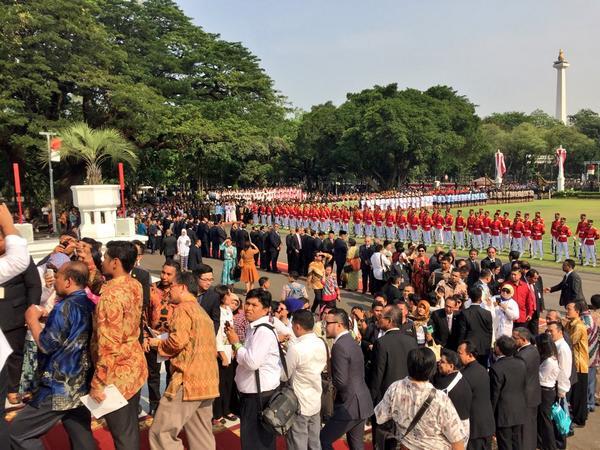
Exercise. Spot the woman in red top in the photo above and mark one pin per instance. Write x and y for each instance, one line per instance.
(420, 273)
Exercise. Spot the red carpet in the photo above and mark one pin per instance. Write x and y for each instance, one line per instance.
(227, 438)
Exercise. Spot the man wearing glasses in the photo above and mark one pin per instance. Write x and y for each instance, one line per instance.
(207, 297)
(353, 404)
(156, 316)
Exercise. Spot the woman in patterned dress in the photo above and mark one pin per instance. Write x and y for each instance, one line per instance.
(230, 260)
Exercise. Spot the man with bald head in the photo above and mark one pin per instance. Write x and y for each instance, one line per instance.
(64, 360)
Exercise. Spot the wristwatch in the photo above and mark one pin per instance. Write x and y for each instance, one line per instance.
(237, 346)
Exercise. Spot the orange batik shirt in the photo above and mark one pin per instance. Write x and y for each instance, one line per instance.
(116, 349)
(192, 347)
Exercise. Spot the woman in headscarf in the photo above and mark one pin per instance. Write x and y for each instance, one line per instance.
(423, 324)
(183, 248)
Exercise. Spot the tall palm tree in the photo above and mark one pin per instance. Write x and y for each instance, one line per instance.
(94, 147)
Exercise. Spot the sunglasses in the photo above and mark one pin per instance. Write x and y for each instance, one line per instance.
(506, 290)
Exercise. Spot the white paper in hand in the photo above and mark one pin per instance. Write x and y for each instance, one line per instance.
(5, 350)
(114, 400)
(160, 358)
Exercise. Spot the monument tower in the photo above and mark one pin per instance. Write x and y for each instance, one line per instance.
(561, 66)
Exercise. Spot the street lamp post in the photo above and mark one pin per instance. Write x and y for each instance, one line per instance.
(48, 134)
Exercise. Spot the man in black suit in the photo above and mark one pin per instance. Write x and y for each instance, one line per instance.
(291, 251)
(536, 285)
(390, 353)
(533, 391)
(449, 379)
(221, 237)
(445, 325)
(476, 326)
(392, 289)
(207, 297)
(340, 251)
(570, 286)
(365, 252)
(213, 235)
(507, 384)
(328, 245)
(513, 257)
(203, 228)
(353, 404)
(273, 246)
(169, 246)
(241, 238)
(308, 251)
(371, 332)
(255, 238)
(490, 260)
(481, 417)
(473, 266)
(195, 256)
(264, 253)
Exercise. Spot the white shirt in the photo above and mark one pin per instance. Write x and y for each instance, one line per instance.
(506, 317)
(16, 258)
(379, 263)
(306, 358)
(565, 363)
(260, 352)
(549, 372)
(223, 344)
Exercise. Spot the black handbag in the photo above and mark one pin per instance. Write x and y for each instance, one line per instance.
(387, 434)
(328, 394)
(235, 273)
(348, 268)
(280, 411)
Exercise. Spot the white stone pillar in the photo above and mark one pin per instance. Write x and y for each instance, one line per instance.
(561, 66)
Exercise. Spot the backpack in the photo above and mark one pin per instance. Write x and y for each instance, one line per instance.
(296, 291)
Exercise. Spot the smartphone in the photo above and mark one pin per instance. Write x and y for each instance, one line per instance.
(429, 329)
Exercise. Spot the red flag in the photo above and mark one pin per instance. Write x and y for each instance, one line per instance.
(56, 143)
(561, 156)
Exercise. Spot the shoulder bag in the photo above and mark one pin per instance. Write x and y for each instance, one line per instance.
(328, 394)
(280, 411)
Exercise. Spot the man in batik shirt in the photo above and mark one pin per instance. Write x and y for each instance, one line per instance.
(117, 351)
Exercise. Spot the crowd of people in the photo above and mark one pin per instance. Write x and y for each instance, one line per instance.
(451, 353)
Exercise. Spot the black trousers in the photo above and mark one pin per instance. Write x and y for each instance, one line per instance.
(221, 405)
(366, 278)
(318, 300)
(510, 438)
(214, 250)
(545, 426)
(4, 436)
(32, 423)
(14, 363)
(123, 425)
(253, 434)
(483, 443)
(534, 323)
(335, 429)
(578, 399)
(273, 256)
(264, 260)
(529, 432)
(339, 271)
(154, 378)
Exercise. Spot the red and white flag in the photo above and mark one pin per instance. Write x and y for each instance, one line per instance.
(561, 156)
(500, 165)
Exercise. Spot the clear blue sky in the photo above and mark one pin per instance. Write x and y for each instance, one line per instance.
(497, 53)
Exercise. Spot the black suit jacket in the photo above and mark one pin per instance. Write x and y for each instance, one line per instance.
(195, 257)
(352, 400)
(441, 334)
(273, 240)
(533, 392)
(481, 418)
(169, 245)
(392, 293)
(476, 325)
(474, 272)
(570, 289)
(460, 394)
(19, 293)
(256, 239)
(389, 362)
(290, 246)
(365, 254)
(143, 276)
(209, 300)
(486, 263)
(507, 383)
(340, 250)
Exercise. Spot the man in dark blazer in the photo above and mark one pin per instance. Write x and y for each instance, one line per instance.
(292, 250)
(365, 252)
(446, 380)
(353, 404)
(255, 238)
(340, 251)
(213, 235)
(445, 325)
(536, 284)
(490, 260)
(507, 384)
(513, 256)
(195, 256)
(203, 228)
(169, 246)
(221, 237)
(390, 353)
(308, 251)
(481, 417)
(16, 295)
(273, 245)
(533, 392)
(208, 299)
(473, 266)
(393, 289)
(476, 326)
(570, 286)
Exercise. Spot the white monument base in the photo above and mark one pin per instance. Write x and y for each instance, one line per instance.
(25, 230)
(560, 184)
(98, 208)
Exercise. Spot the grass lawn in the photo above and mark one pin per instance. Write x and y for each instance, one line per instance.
(568, 208)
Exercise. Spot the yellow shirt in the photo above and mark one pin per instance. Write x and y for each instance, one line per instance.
(579, 342)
